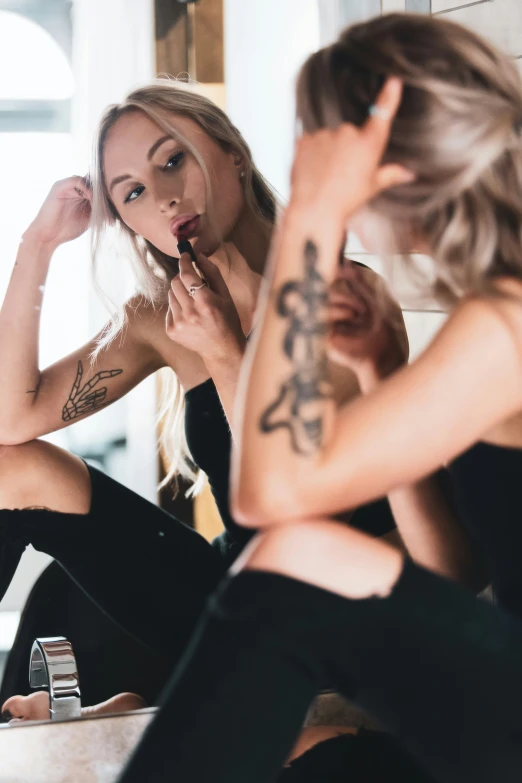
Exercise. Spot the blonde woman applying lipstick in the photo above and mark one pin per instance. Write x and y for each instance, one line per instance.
(170, 170)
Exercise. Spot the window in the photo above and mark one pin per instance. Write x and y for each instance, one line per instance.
(36, 86)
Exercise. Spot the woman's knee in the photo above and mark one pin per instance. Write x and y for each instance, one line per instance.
(38, 473)
(20, 465)
(327, 554)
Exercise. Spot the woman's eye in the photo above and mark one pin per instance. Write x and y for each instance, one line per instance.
(133, 195)
(174, 161)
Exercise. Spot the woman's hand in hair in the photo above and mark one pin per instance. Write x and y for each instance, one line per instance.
(337, 171)
(64, 215)
(208, 322)
(367, 331)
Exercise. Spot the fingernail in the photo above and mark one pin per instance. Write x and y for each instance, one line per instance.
(197, 270)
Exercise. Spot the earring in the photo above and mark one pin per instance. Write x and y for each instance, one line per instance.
(241, 175)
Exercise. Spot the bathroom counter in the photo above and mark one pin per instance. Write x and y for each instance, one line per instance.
(94, 750)
(85, 750)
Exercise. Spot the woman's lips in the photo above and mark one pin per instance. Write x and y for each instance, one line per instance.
(185, 226)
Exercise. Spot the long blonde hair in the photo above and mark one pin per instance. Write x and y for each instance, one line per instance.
(154, 270)
(458, 129)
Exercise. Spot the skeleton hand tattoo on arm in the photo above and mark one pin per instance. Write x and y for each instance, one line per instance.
(86, 399)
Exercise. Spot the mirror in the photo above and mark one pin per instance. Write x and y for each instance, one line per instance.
(138, 562)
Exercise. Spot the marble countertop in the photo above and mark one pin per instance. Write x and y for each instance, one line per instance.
(94, 750)
(85, 750)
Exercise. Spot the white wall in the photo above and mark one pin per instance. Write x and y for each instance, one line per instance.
(265, 43)
(113, 51)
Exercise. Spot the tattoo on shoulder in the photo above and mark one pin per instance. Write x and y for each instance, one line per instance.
(87, 398)
(298, 406)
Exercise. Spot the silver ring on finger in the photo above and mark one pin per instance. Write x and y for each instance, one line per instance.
(193, 288)
(379, 111)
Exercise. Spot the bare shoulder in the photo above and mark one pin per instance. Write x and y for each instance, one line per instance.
(482, 329)
(510, 300)
(146, 322)
(145, 327)
(145, 317)
(499, 312)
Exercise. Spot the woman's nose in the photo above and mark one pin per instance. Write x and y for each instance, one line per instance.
(166, 203)
(166, 196)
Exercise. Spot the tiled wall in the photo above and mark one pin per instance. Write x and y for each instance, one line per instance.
(498, 20)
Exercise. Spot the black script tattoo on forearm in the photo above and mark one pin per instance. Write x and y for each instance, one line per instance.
(298, 406)
(86, 399)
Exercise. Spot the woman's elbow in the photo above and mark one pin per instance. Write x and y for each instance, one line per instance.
(13, 437)
(261, 507)
(249, 507)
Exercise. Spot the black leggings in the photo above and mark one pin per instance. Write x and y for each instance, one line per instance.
(434, 666)
(142, 567)
(145, 569)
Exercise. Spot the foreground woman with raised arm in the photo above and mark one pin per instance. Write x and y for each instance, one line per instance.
(436, 155)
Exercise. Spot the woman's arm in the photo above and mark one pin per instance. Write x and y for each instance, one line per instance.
(297, 457)
(35, 402)
(432, 532)
(225, 374)
(19, 335)
(367, 334)
(207, 323)
(75, 387)
(64, 216)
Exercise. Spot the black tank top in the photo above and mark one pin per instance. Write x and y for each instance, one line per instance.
(210, 443)
(487, 483)
(209, 440)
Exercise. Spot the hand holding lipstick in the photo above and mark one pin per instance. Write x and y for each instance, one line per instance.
(184, 246)
(202, 315)
(367, 331)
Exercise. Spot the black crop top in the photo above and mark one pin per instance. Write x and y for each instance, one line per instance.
(209, 440)
(487, 483)
(210, 443)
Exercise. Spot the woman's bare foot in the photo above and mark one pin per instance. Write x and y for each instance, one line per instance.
(36, 706)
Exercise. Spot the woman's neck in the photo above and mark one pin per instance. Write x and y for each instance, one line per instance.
(244, 253)
(250, 239)
(242, 259)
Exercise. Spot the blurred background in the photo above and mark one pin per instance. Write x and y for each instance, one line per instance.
(61, 63)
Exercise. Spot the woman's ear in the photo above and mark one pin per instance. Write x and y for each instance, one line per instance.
(237, 160)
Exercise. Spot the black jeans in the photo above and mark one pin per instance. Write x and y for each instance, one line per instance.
(143, 568)
(437, 668)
